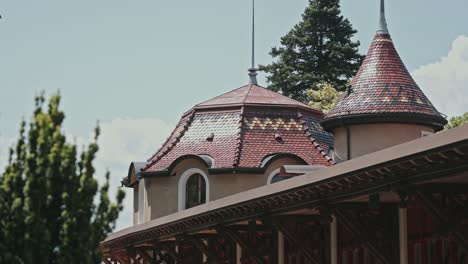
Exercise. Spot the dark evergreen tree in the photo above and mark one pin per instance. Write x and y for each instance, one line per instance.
(48, 213)
(318, 49)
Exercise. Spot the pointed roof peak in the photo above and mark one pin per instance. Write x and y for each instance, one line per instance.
(383, 28)
(383, 91)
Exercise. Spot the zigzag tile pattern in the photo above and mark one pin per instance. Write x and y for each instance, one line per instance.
(383, 85)
(259, 140)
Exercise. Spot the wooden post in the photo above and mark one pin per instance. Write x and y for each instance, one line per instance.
(205, 257)
(280, 248)
(334, 241)
(403, 234)
(176, 249)
(238, 254)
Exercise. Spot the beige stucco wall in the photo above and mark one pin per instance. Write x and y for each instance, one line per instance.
(162, 192)
(135, 205)
(368, 138)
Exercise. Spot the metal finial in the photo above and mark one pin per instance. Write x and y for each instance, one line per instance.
(383, 29)
(253, 70)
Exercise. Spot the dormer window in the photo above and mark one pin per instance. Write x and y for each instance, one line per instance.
(195, 191)
(194, 188)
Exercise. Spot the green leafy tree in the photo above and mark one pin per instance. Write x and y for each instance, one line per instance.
(319, 48)
(324, 96)
(48, 211)
(458, 121)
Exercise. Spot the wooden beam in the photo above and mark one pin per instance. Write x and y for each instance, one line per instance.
(146, 257)
(403, 234)
(334, 241)
(359, 231)
(440, 216)
(245, 228)
(202, 247)
(120, 259)
(293, 238)
(440, 187)
(235, 237)
(304, 219)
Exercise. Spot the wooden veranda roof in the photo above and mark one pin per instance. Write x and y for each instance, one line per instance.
(417, 161)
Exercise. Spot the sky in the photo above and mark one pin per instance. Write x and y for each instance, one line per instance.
(137, 66)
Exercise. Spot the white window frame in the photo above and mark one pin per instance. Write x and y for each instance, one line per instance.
(273, 174)
(141, 201)
(183, 182)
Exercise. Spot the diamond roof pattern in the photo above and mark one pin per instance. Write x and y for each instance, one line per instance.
(383, 87)
(224, 126)
(242, 138)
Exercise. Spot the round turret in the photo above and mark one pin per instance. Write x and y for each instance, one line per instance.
(383, 106)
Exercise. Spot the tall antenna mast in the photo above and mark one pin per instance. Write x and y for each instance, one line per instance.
(253, 70)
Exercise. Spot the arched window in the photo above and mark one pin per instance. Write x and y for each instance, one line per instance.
(275, 177)
(195, 191)
(194, 188)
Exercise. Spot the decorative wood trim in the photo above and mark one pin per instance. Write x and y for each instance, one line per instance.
(294, 239)
(359, 231)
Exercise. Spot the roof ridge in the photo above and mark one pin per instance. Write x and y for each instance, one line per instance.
(173, 144)
(221, 95)
(167, 139)
(309, 135)
(240, 135)
(289, 98)
(248, 92)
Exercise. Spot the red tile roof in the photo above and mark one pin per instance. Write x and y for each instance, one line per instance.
(252, 94)
(384, 91)
(243, 123)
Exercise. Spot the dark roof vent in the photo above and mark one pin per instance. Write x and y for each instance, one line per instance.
(278, 138)
(210, 137)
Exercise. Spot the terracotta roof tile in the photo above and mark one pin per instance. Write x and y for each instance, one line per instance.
(244, 138)
(253, 95)
(384, 88)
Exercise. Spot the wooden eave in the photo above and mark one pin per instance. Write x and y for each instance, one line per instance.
(418, 161)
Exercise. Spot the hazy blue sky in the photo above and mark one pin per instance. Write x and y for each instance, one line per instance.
(138, 65)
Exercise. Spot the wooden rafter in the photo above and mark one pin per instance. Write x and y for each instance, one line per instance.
(202, 247)
(170, 252)
(359, 231)
(439, 187)
(430, 203)
(294, 239)
(146, 258)
(235, 237)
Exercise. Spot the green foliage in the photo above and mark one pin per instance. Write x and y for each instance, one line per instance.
(319, 48)
(48, 213)
(458, 121)
(324, 96)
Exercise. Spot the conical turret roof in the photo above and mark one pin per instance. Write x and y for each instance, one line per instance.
(383, 91)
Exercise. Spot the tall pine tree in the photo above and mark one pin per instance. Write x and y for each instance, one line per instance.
(48, 211)
(318, 49)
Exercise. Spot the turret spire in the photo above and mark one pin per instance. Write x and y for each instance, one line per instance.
(383, 29)
(253, 70)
